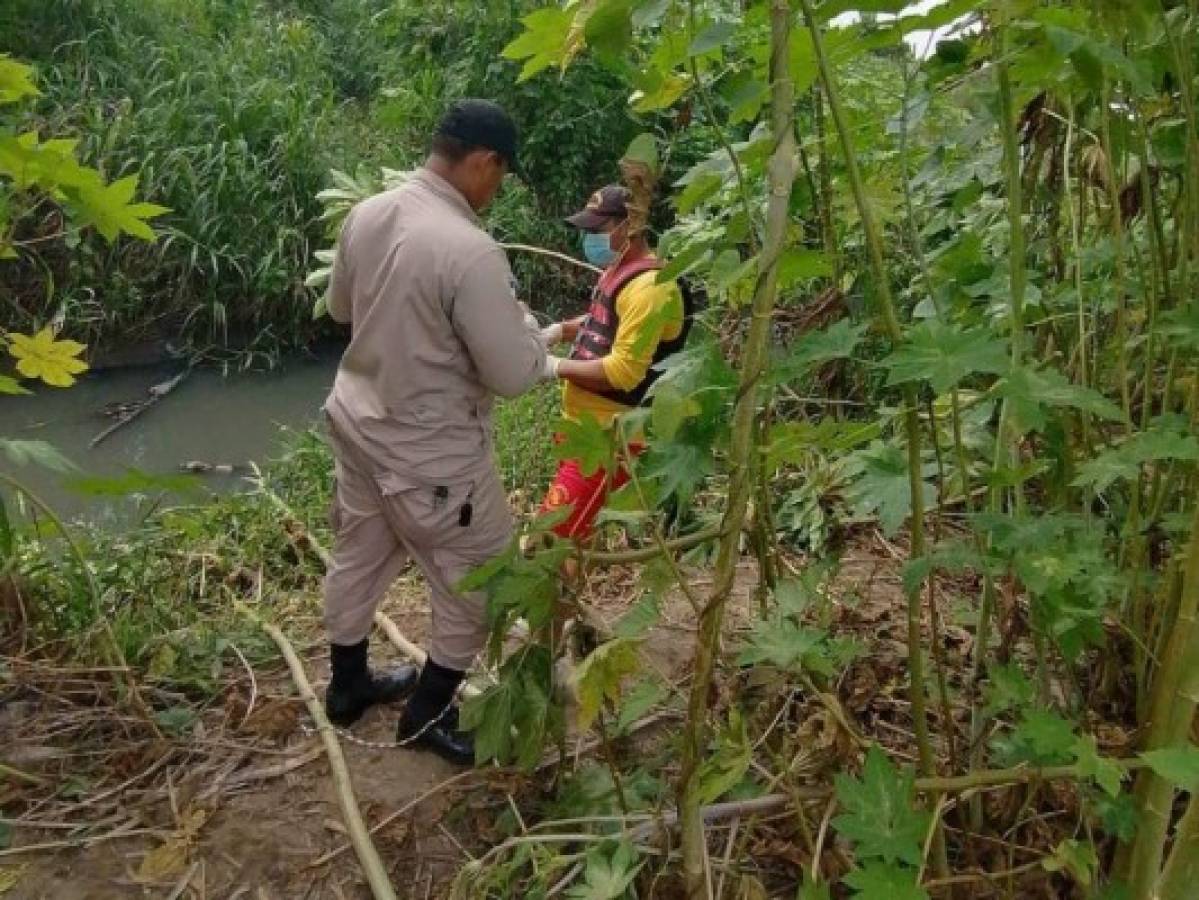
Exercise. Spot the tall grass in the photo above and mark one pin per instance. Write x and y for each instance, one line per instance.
(235, 110)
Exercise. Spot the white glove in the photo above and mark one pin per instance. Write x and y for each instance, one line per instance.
(552, 334)
(550, 372)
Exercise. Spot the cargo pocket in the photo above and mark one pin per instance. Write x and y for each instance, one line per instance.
(428, 513)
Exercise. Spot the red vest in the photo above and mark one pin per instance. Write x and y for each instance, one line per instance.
(598, 330)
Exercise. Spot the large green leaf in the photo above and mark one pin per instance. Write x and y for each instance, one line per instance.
(882, 485)
(944, 355)
(1125, 461)
(816, 348)
(1178, 765)
(885, 881)
(878, 813)
(608, 875)
(1031, 392)
(544, 41)
(587, 441)
(110, 209)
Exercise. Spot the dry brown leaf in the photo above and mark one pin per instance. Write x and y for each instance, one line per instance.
(10, 875)
(170, 858)
(164, 860)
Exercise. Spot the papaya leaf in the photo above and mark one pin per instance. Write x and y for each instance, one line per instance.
(1076, 857)
(644, 149)
(1029, 392)
(639, 700)
(670, 410)
(816, 348)
(1107, 773)
(882, 486)
(801, 264)
(885, 881)
(609, 873)
(16, 80)
(878, 813)
(588, 442)
(723, 770)
(1177, 765)
(945, 355)
(544, 41)
(600, 675)
(1041, 738)
(110, 209)
(1124, 461)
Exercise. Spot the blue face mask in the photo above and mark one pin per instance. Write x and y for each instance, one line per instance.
(597, 247)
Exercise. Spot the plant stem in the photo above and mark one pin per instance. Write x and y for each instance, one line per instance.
(781, 177)
(889, 321)
(1172, 713)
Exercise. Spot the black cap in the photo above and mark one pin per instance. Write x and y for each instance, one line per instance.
(608, 203)
(482, 123)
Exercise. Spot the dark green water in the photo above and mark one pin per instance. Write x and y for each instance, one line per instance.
(212, 418)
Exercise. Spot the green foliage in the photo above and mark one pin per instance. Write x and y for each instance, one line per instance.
(877, 813)
(609, 873)
(1178, 765)
(885, 881)
(513, 718)
(881, 485)
(727, 764)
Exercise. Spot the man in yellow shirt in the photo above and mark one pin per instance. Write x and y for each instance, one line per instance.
(633, 323)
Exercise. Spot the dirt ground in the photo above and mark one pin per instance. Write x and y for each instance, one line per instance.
(229, 827)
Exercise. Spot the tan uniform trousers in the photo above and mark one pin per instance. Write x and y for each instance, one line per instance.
(383, 519)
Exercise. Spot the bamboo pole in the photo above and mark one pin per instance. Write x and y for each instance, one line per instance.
(781, 177)
(368, 856)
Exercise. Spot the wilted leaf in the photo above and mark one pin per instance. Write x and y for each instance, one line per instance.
(600, 675)
(10, 876)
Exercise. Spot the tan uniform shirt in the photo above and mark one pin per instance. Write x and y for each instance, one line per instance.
(436, 331)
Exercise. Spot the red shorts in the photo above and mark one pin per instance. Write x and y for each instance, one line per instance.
(586, 494)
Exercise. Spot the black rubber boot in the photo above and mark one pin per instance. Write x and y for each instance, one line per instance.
(354, 687)
(430, 719)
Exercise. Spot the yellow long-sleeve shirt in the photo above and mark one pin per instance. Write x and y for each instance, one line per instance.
(649, 313)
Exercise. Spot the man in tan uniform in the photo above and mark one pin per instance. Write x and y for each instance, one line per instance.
(436, 332)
